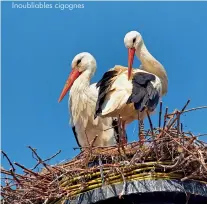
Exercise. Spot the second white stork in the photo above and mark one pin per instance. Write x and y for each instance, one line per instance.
(82, 102)
(129, 93)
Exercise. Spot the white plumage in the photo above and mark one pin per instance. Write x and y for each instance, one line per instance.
(125, 92)
(119, 93)
(82, 102)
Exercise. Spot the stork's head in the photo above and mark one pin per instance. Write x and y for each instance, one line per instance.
(133, 41)
(82, 63)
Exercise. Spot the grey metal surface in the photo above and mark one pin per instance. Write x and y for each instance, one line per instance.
(141, 188)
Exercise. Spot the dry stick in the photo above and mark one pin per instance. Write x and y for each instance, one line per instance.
(90, 150)
(190, 176)
(192, 109)
(172, 123)
(160, 114)
(10, 163)
(180, 144)
(153, 136)
(164, 124)
(52, 156)
(101, 169)
(181, 127)
(27, 170)
(124, 185)
(15, 178)
(178, 123)
(39, 159)
(46, 160)
(9, 173)
(165, 118)
(201, 135)
(179, 158)
(202, 160)
(185, 106)
(119, 131)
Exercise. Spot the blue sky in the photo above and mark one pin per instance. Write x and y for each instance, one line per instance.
(38, 46)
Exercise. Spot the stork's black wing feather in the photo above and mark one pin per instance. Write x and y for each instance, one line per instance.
(143, 92)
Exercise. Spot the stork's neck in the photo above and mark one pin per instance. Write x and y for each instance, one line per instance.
(150, 64)
(82, 83)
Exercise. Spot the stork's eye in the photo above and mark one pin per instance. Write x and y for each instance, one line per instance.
(78, 62)
(134, 40)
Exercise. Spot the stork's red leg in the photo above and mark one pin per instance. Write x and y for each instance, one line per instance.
(123, 136)
(141, 132)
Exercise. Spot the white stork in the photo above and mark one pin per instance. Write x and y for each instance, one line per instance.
(82, 103)
(130, 92)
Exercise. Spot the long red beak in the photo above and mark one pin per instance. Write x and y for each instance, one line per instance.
(72, 77)
(131, 52)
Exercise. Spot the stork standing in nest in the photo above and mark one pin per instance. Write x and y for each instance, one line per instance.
(129, 93)
(82, 103)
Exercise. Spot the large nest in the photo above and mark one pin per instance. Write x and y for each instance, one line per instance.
(167, 153)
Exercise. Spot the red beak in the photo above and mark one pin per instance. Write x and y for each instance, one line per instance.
(131, 52)
(72, 77)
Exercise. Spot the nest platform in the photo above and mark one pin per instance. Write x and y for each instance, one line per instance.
(170, 166)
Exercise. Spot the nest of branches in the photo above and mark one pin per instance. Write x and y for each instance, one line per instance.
(167, 153)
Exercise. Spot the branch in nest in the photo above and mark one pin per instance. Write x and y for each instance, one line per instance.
(15, 178)
(202, 160)
(124, 184)
(39, 159)
(10, 163)
(153, 136)
(174, 165)
(190, 176)
(52, 156)
(27, 170)
(173, 122)
(160, 115)
(192, 109)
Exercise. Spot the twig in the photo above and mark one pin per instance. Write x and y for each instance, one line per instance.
(160, 114)
(15, 178)
(101, 169)
(27, 170)
(178, 123)
(153, 136)
(124, 184)
(170, 125)
(201, 135)
(39, 159)
(174, 165)
(151, 126)
(52, 156)
(90, 149)
(185, 106)
(202, 160)
(10, 163)
(192, 109)
(181, 127)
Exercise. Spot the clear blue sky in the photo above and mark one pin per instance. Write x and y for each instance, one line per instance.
(38, 46)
